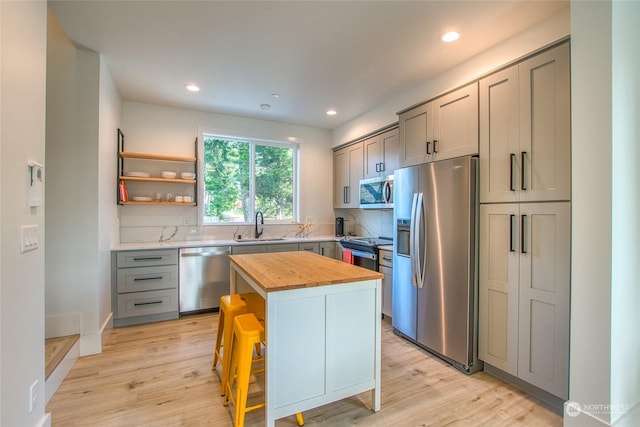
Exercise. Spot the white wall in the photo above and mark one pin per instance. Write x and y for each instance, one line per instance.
(82, 115)
(605, 299)
(22, 137)
(517, 47)
(165, 130)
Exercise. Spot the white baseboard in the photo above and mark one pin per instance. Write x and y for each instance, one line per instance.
(57, 376)
(45, 421)
(92, 344)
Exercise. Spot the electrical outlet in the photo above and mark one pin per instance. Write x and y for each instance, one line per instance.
(187, 220)
(33, 395)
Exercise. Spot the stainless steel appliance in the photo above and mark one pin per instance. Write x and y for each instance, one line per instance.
(434, 274)
(204, 278)
(376, 193)
(365, 250)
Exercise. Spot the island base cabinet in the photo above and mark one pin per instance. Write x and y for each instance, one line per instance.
(315, 357)
(524, 292)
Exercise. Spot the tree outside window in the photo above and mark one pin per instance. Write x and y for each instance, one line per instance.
(241, 177)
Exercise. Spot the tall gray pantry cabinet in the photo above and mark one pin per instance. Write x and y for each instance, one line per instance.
(525, 215)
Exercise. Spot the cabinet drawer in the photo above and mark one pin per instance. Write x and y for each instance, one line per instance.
(147, 258)
(385, 258)
(147, 278)
(310, 247)
(145, 303)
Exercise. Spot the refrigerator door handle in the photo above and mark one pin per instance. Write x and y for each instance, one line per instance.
(412, 237)
(420, 256)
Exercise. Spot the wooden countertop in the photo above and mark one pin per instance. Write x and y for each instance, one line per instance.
(280, 271)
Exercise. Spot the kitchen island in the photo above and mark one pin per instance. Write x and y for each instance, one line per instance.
(322, 328)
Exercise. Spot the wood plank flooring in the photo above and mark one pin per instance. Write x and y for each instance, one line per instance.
(160, 375)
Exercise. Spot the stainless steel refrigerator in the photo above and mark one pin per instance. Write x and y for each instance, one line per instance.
(434, 260)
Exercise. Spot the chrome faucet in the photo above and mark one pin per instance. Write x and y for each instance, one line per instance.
(259, 233)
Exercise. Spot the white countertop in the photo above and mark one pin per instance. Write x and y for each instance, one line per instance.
(200, 243)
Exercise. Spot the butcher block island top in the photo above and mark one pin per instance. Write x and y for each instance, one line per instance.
(281, 271)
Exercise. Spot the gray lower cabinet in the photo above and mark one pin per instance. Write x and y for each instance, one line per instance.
(386, 268)
(328, 249)
(309, 247)
(145, 286)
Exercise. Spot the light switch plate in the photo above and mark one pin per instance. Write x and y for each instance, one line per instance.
(28, 238)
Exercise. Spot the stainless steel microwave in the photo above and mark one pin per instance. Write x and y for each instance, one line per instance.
(376, 193)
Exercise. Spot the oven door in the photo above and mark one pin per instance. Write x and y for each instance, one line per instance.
(366, 260)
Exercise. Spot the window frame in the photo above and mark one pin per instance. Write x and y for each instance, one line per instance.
(252, 185)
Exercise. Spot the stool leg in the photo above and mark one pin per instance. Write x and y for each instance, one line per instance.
(231, 371)
(216, 351)
(243, 372)
(299, 419)
(226, 360)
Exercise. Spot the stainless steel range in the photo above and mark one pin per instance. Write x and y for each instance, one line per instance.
(365, 249)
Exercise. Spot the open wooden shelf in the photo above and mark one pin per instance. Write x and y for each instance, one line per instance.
(149, 156)
(131, 202)
(164, 180)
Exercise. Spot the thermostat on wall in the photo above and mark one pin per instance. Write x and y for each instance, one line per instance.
(36, 183)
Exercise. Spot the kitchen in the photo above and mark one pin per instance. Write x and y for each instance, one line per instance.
(94, 323)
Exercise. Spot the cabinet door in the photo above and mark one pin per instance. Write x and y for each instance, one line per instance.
(355, 175)
(499, 139)
(498, 287)
(328, 249)
(416, 135)
(348, 171)
(545, 126)
(373, 156)
(455, 123)
(391, 150)
(387, 290)
(544, 296)
(340, 177)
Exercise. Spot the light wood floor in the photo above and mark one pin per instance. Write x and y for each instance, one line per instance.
(160, 375)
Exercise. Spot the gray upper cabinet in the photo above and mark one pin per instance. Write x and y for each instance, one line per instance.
(381, 154)
(443, 128)
(347, 173)
(525, 130)
(416, 135)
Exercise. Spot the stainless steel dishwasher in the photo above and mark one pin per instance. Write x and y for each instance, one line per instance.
(204, 278)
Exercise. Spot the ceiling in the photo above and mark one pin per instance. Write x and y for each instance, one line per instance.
(316, 55)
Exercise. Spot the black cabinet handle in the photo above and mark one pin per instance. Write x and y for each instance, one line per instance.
(512, 187)
(428, 147)
(523, 246)
(511, 218)
(523, 155)
(382, 168)
(435, 146)
(140, 279)
(137, 304)
(344, 194)
(148, 258)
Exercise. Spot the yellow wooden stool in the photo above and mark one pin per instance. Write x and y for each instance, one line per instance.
(231, 306)
(247, 332)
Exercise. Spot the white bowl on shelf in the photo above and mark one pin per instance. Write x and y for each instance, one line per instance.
(138, 174)
(188, 175)
(168, 174)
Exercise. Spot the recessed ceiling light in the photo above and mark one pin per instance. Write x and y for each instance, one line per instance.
(265, 106)
(275, 95)
(331, 112)
(450, 36)
(192, 87)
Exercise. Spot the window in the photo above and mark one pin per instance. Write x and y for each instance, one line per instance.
(241, 177)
